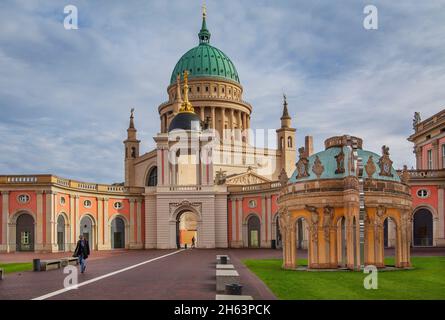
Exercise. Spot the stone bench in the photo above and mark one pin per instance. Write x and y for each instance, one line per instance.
(225, 267)
(73, 261)
(224, 277)
(46, 265)
(232, 297)
(2, 274)
(218, 258)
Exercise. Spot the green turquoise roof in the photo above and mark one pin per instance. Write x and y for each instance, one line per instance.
(205, 61)
(327, 158)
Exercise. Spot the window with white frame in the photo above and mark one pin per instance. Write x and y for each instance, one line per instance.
(423, 193)
(23, 198)
(430, 159)
(252, 204)
(87, 204)
(118, 205)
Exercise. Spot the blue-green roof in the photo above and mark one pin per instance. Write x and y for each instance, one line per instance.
(327, 158)
(205, 61)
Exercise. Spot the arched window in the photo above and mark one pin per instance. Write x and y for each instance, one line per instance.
(289, 142)
(152, 178)
(282, 142)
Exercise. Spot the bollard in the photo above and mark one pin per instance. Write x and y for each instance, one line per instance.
(36, 264)
(234, 289)
(223, 259)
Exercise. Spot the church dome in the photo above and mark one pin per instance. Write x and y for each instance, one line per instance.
(335, 162)
(189, 121)
(205, 60)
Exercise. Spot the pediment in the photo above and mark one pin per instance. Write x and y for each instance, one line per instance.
(246, 179)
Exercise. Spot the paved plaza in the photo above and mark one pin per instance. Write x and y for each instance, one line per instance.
(145, 274)
(183, 275)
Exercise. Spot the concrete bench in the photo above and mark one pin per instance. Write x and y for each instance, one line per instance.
(232, 297)
(46, 265)
(224, 277)
(2, 274)
(73, 261)
(218, 258)
(225, 267)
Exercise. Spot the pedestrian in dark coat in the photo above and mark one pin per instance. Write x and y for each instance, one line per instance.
(82, 252)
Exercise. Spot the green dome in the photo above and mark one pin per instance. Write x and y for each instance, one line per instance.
(325, 162)
(205, 61)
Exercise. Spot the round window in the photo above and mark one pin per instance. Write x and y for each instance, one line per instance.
(62, 200)
(423, 193)
(23, 198)
(87, 203)
(252, 204)
(118, 205)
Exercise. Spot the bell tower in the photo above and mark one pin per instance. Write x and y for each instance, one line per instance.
(131, 152)
(286, 141)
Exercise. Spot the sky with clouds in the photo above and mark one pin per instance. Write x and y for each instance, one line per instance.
(65, 95)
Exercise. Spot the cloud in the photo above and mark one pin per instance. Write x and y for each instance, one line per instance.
(65, 96)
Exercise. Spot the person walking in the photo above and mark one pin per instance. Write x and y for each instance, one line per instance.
(193, 242)
(82, 252)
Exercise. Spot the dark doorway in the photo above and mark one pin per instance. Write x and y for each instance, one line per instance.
(25, 233)
(278, 237)
(385, 234)
(118, 233)
(253, 230)
(61, 233)
(86, 228)
(300, 234)
(423, 228)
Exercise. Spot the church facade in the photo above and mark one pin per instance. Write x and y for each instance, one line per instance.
(204, 184)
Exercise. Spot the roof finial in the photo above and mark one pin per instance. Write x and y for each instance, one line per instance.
(186, 106)
(204, 33)
(132, 118)
(285, 111)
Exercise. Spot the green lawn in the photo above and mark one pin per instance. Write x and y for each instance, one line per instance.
(426, 281)
(16, 267)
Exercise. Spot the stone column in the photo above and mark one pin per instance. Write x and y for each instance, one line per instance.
(262, 239)
(213, 119)
(240, 221)
(418, 153)
(51, 223)
(132, 213)
(440, 236)
(436, 155)
(139, 223)
(293, 246)
(232, 123)
(76, 218)
(202, 113)
(234, 222)
(100, 224)
(223, 122)
(269, 221)
(4, 241)
(39, 223)
(107, 230)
